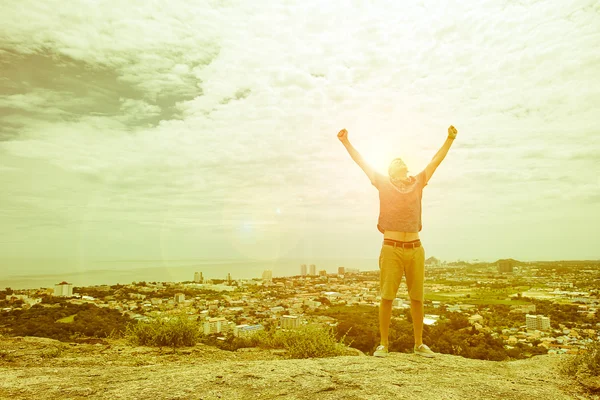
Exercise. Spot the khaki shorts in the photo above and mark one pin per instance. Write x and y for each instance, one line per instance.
(397, 261)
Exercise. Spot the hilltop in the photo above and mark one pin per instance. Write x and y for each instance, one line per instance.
(38, 368)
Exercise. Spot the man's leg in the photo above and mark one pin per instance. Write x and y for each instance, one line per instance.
(385, 316)
(390, 275)
(416, 311)
(415, 274)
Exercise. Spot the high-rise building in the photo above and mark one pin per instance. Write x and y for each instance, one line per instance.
(322, 272)
(341, 270)
(198, 278)
(228, 278)
(506, 265)
(267, 275)
(538, 322)
(303, 269)
(313, 269)
(63, 289)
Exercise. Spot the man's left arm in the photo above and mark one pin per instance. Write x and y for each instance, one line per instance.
(441, 154)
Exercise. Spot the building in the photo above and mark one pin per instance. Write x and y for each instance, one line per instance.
(63, 289)
(198, 278)
(313, 269)
(216, 325)
(303, 269)
(228, 278)
(537, 322)
(352, 271)
(322, 272)
(525, 308)
(506, 265)
(267, 275)
(179, 297)
(289, 321)
(341, 270)
(247, 330)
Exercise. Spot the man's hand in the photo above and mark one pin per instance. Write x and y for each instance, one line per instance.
(343, 135)
(452, 132)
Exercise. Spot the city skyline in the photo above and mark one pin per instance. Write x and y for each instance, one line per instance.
(208, 131)
(192, 274)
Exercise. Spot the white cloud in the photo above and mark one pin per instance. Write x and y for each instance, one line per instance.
(205, 115)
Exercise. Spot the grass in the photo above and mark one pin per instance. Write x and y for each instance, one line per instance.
(175, 331)
(308, 341)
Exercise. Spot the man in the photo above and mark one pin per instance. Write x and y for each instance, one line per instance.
(402, 252)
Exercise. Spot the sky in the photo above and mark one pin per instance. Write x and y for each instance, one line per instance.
(207, 130)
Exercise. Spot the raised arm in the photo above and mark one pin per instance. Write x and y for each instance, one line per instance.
(441, 154)
(343, 136)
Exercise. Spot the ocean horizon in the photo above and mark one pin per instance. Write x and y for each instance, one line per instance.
(112, 272)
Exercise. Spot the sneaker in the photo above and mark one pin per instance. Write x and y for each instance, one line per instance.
(381, 351)
(424, 351)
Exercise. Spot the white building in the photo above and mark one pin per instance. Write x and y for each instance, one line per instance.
(63, 289)
(267, 275)
(537, 322)
(313, 269)
(216, 325)
(179, 297)
(289, 321)
(303, 269)
(198, 278)
(247, 330)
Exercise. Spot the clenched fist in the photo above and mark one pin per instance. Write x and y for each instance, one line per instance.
(452, 132)
(343, 135)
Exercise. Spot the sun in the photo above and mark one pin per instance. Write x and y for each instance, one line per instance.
(378, 157)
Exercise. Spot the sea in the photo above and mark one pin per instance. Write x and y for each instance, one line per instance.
(45, 273)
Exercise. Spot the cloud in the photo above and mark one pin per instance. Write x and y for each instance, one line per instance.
(209, 115)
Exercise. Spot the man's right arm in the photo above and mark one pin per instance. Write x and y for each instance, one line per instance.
(371, 173)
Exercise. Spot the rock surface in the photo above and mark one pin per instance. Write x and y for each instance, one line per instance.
(35, 368)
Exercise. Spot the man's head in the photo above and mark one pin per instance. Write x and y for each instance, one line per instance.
(397, 169)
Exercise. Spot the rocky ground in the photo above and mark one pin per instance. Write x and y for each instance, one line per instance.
(36, 368)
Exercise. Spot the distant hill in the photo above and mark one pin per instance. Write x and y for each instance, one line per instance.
(507, 259)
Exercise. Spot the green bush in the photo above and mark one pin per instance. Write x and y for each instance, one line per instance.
(173, 331)
(304, 342)
(587, 363)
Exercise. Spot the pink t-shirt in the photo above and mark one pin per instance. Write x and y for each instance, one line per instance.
(400, 206)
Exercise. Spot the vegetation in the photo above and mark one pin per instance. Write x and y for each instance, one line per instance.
(452, 334)
(587, 363)
(173, 331)
(87, 321)
(310, 341)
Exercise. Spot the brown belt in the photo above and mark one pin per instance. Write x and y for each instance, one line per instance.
(404, 245)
